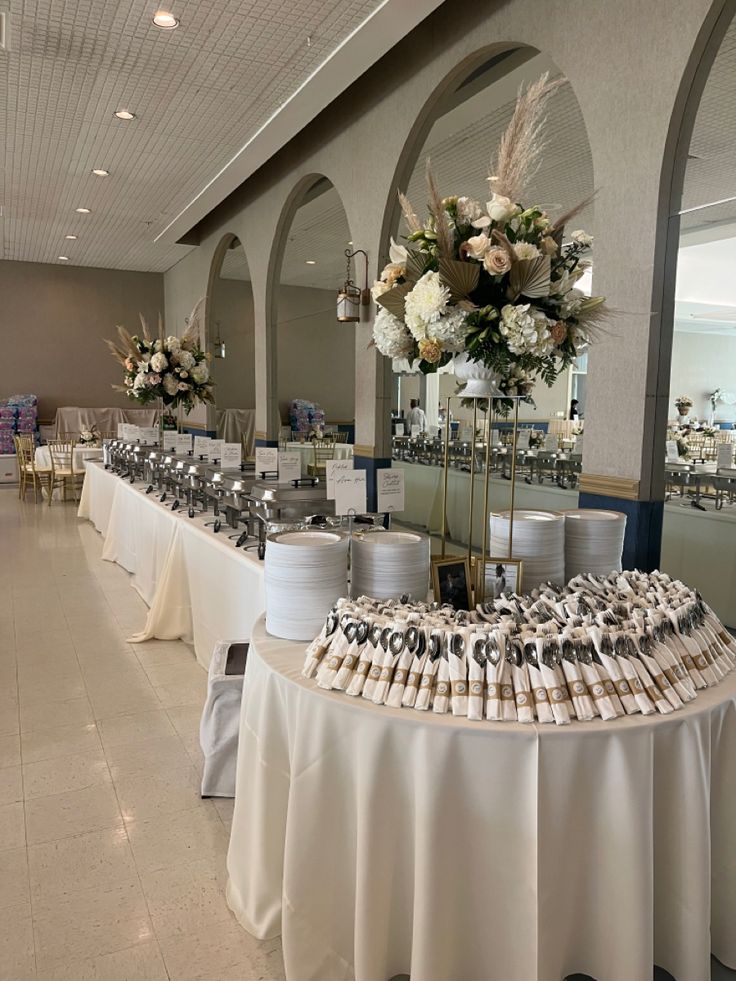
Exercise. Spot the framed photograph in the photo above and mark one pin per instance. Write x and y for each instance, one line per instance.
(502, 576)
(451, 581)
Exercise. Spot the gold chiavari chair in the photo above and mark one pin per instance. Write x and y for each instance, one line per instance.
(323, 451)
(339, 437)
(62, 467)
(25, 448)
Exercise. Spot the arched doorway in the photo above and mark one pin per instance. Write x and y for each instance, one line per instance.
(231, 341)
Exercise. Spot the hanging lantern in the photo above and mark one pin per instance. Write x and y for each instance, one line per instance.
(351, 297)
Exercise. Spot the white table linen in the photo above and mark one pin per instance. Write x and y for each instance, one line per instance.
(98, 491)
(343, 451)
(80, 455)
(73, 419)
(379, 842)
(233, 424)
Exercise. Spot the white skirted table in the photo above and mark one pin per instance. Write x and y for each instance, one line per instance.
(379, 842)
(199, 587)
(73, 419)
(343, 451)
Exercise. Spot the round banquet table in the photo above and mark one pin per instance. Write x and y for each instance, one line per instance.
(343, 451)
(380, 842)
(81, 453)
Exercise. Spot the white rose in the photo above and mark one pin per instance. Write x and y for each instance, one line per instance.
(159, 362)
(200, 373)
(501, 208)
(580, 237)
(477, 246)
(525, 250)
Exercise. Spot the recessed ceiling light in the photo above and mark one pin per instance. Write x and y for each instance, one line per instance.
(82, 211)
(72, 238)
(311, 262)
(350, 243)
(99, 172)
(64, 258)
(165, 20)
(124, 114)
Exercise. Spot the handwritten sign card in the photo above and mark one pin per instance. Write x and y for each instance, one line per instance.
(390, 490)
(350, 492)
(267, 460)
(290, 466)
(232, 456)
(334, 467)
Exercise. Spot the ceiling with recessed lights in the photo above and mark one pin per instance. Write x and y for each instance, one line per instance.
(198, 93)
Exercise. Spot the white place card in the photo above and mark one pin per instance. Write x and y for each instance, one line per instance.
(333, 468)
(121, 430)
(201, 446)
(130, 432)
(399, 428)
(672, 454)
(290, 466)
(214, 451)
(183, 443)
(550, 443)
(390, 485)
(724, 456)
(415, 431)
(495, 438)
(232, 456)
(148, 435)
(169, 442)
(351, 492)
(267, 460)
(522, 439)
(465, 434)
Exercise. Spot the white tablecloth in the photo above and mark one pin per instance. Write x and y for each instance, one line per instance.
(379, 842)
(233, 424)
(72, 419)
(343, 451)
(98, 491)
(199, 587)
(81, 453)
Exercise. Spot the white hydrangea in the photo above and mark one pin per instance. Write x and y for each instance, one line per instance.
(424, 306)
(173, 343)
(170, 384)
(159, 362)
(200, 373)
(140, 381)
(185, 359)
(451, 331)
(391, 336)
(525, 332)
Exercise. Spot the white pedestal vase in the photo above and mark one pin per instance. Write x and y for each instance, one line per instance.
(480, 382)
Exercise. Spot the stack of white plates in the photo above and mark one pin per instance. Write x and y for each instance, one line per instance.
(306, 573)
(387, 564)
(594, 541)
(539, 541)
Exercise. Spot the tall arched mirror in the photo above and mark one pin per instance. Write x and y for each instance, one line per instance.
(231, 339)
(315, 353)
(699, 528)
(460, 138)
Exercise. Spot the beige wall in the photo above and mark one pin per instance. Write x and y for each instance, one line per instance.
(701, 363)
(235, 376)
(316, 354)
(53, 320)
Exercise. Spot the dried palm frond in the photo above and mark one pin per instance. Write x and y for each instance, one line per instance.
(520, 151)
(569, 215)
(410, 216)
(445, 240)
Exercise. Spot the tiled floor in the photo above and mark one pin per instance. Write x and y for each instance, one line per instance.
(111, 866)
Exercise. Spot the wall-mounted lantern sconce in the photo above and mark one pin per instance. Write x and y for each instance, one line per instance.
(351, 298)
(218, 344)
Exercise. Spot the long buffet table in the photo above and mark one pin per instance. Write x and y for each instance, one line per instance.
(198, 586)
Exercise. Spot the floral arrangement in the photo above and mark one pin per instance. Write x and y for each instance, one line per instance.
(173, 369)
(536, 438)
(89, 437)
(496, 283)
(683, 404)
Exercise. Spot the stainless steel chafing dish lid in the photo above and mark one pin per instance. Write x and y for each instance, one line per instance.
(226, 478)
(272, 494)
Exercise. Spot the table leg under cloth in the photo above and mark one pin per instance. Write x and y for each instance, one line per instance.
(380, 842)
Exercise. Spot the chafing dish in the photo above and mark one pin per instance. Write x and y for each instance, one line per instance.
(293, 504)
(229, 490)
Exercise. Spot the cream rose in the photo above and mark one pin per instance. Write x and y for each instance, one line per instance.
(501, 208)
(525, 250)
(580, 237)
(477, 246)
(496, 261)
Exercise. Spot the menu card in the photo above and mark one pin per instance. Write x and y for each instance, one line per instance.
(350, 492)
(148, 435)
(724, 456)
(290, 466)
(672, 453)
(333, 468)
(522, 439)
(183, 443)
(465, 434)
(214, 451)
(399, 428)
(202, 446)
(390, 490)
(232, 456)
(550, 443)
(267, 460)
(130, 432)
